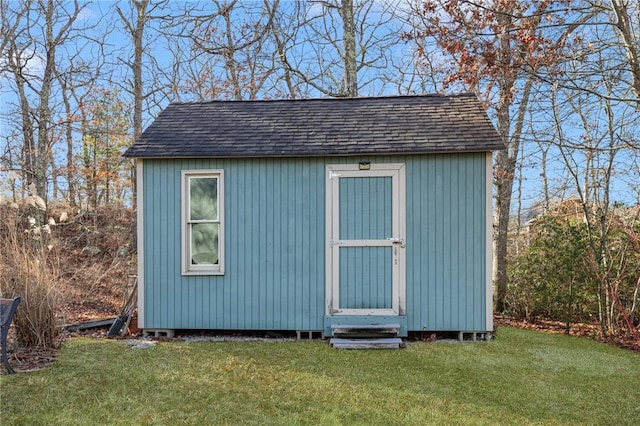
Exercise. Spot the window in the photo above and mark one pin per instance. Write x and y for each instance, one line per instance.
(202, 222)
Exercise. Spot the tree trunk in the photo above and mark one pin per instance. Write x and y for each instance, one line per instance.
(28, 142)
(44, 111)
(350, 82)
(137, 34)
(138, 86)
(504, 173)
(630, 43)
(505, 166)
(138, 96)
(71, 185)
(504, 184)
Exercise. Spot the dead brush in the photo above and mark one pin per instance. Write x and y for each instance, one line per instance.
(28, 269)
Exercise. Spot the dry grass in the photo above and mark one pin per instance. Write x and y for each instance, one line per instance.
(65, 272)
(29, 270)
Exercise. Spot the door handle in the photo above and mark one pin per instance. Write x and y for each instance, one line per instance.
(397, 241)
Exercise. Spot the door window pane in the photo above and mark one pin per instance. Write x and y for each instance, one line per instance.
(365, 208)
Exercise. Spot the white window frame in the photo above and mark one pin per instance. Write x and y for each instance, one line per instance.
(187, 267)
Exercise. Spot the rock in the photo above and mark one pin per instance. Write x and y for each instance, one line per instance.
(91, 250)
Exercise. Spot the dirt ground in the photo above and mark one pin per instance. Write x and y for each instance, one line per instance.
(622, 339)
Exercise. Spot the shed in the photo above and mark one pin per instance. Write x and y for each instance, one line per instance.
(301, 215)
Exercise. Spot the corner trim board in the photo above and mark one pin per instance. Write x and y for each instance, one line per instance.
(140, 237)
(489, 240)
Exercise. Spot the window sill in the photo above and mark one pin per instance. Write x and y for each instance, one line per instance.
(196, 273)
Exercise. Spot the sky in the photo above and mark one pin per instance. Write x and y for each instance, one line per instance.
(99, 17)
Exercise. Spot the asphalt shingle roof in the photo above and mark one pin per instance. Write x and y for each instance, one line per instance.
(315, 127)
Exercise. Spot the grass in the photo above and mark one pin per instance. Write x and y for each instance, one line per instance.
(523, 377)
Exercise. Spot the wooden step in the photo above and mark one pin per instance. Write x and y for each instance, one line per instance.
(365, 330)
(386, 343)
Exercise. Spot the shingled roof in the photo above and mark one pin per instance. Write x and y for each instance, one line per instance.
(317, 127)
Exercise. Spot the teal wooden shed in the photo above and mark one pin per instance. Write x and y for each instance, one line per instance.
(302, 214)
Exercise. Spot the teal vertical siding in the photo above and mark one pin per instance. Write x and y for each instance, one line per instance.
(275, 245)
(446, 245)
(274, 266)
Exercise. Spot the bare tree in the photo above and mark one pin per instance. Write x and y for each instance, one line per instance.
(495, 49)
(607, 27)
(627, 24)
(341, 48)
(142, 67)
(137, 22)
(11, 17)
(592, 158)
(276, 49)
(225, 53)
(36, 34)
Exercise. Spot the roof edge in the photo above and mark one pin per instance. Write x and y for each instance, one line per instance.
(360, 154)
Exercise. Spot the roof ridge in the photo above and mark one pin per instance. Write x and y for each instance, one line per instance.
(332, 99)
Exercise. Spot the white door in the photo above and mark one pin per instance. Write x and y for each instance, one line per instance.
(366, 239)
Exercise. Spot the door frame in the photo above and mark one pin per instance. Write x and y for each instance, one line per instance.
(398, 207)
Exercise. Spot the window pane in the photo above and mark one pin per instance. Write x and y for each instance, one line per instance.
(365, 208)
(204, 243)
(203, 192)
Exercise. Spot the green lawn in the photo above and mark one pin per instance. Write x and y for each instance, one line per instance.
(523, 377)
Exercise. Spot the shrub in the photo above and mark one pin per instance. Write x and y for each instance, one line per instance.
(550, 278)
